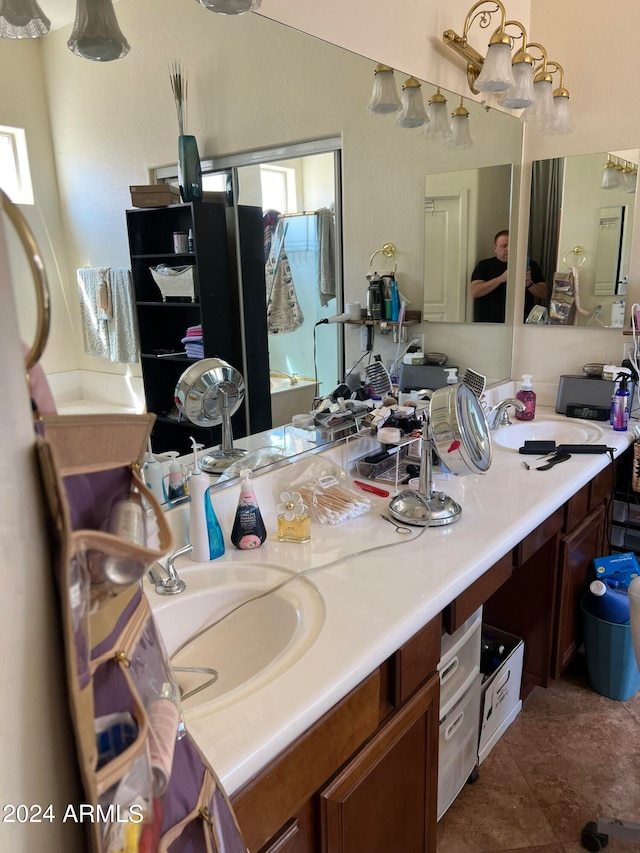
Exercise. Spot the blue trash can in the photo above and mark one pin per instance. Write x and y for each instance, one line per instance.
(611, 661)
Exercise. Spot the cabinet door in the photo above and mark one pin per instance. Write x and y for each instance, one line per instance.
(385, 799)
(577, 549)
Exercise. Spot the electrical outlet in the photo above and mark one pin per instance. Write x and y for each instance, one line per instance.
(628, 351)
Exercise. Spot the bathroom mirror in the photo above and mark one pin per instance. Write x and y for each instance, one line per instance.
(313, 91)
(575, 223)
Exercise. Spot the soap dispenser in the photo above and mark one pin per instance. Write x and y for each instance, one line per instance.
(154, 476)
(248, 528)
(526, 395)
(176, 488)
(205, 534)
(452, 375)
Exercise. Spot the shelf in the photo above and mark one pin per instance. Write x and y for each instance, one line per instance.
(150, 303)
(173, 255)
(169, 357)
(412, 318)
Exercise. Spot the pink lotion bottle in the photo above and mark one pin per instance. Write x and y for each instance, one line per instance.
(526, 395)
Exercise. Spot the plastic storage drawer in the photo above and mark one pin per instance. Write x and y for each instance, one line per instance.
(458, 747)
(460, 661)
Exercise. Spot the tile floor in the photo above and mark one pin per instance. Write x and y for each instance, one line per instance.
(570, 755)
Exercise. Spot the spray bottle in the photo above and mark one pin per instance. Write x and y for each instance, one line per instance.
(204, 530)
(621, 403)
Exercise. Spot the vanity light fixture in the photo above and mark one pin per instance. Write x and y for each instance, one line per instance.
(460, 131)
(231, 7)
(384, 97)
(22, 19)
(437, 126)
(413, 113)
(610, 175)
(522, 86)
(630, 175)
(96, 34)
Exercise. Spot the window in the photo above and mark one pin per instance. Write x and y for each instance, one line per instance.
(278, 188)
(15, 175)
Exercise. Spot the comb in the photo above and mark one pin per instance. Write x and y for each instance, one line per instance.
(378, 377)
(476, 382)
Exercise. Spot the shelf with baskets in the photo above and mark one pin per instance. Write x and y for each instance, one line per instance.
(199, 288)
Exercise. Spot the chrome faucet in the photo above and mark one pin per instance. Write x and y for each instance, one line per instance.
(498, 415)
(172, 584)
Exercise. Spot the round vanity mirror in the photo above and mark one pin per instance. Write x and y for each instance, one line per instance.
(457, 429)
(208, 393)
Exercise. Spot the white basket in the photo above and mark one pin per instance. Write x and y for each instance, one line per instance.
(174, 281)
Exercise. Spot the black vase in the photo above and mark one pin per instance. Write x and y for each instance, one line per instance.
(189, 171)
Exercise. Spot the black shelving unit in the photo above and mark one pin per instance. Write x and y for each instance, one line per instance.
(229, 302)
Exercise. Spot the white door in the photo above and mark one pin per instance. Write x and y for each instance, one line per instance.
(445, 260)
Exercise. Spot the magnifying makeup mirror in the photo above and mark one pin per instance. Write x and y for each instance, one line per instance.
(457, 428)
(208, 393)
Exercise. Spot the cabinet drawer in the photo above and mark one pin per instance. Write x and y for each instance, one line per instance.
(539, 537)
(417, 659)
(601, 487)
(460, 662)
(577, 508)
(462, 607)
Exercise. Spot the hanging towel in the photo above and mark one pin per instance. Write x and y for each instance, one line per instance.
(103, 296)
(269, 219)
(123, 330)
(95, 334)
(326, 255)
(284, 313)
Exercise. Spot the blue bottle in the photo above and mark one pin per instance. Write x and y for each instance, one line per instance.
(606, 602)
(395, 301)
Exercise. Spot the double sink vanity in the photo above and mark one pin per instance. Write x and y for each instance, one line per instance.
(323, 723)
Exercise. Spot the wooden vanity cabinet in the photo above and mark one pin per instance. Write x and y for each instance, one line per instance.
(365, 776)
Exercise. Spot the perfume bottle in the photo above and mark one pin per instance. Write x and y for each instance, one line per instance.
(294, 523)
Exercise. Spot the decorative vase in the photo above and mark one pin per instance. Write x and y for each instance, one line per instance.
(189, 171)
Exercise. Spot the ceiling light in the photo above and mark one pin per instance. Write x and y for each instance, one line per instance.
(609, 176)
(22, 19)
(96, 34)
(384, 98)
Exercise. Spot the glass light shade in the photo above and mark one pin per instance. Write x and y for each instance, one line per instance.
(521, 94)
(413, 113)
(496, 74)
(460, 132)
(630, 179)
(384, 98)
(562, 123)
(96, 34)
(437, 125)
(610, 176)
(231, 7)
(542, 112)
(22, 19)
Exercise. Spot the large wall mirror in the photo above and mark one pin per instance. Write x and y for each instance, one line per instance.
(311, 90)
(581, 224)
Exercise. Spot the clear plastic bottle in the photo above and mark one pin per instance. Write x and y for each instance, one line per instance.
(526, 395)
(205, 533)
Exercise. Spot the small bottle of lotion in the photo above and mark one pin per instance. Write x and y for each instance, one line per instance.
(526, 395)
(248, 528)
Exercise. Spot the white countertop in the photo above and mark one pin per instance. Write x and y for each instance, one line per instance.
(377, 601)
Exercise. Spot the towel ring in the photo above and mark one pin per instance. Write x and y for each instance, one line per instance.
(43, 301)
(389, 251)
(577, 250)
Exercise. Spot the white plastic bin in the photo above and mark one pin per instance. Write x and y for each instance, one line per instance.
(458, 748)
(501, 701)
(460, 661)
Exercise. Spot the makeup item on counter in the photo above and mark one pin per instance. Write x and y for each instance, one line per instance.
(294, 522)
(621, 403)
(389, 435)
(190, 241)
(205, 533)
(526, 395)
(176, 486)
(248, 530)
(180, 242)
(153, 476)
(383, 493)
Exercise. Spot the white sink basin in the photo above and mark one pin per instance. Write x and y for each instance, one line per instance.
(561, 431)
(252, 644)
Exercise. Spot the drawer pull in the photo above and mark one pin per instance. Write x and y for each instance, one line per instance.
(446, 674)
(454, 726)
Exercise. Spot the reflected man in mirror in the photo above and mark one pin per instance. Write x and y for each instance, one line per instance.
(489, 284)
